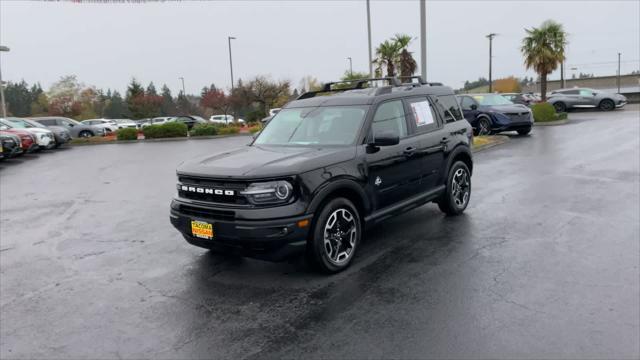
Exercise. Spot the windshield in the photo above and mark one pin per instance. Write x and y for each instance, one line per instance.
(19, 124)
(492, 100)
(327, 125)
(35, 123)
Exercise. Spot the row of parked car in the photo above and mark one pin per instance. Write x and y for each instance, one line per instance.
(494, 113)
(20, 136)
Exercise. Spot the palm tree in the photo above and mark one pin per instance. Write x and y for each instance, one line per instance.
(543, 50)
(387, 55)
(406, 62)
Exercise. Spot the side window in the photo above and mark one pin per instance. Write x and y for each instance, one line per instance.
(390, 118)
(571, 92)
(466, 103)
(423, 114)
(448, 108)
(586, 93)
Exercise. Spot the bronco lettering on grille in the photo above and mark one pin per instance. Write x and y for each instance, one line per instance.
(207, 190)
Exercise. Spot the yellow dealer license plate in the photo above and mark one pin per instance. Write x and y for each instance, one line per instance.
(201, 229)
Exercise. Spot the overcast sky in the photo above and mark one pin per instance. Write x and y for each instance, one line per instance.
(107, 44)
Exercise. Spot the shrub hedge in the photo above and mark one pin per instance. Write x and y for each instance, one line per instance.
(227, 130)
(167, 130)
(127, 134)
(543, 112)
(204, 130)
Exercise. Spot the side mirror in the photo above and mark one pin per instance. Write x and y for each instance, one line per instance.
(594, 94)
(385, 139)
(474, 107)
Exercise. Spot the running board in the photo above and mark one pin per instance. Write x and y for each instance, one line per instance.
(405, 205)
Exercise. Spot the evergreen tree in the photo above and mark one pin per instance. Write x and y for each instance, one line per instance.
(115, 107)
(151, 89)
(168, 107)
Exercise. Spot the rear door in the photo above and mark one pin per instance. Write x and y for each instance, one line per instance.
(430, 145)
(394, 172)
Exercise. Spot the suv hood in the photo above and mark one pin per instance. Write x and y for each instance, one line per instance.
(515, 108)
(35, 130)
(265, 161)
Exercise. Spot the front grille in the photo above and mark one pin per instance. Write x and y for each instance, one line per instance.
(518, 117)
(207, 213)
(211, 184)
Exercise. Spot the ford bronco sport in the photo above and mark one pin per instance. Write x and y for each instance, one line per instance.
(328, 165)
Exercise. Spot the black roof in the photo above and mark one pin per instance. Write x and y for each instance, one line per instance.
(359, 95)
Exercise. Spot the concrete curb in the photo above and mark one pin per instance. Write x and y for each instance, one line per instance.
(498, 140)
(551, 123)
(118, 142)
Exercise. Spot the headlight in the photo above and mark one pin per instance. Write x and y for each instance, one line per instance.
(272, 192)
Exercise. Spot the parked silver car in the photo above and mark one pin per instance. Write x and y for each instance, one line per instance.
(76, 129)
(565, 99)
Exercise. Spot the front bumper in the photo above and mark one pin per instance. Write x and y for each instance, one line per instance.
(268, 239)
(621, 103)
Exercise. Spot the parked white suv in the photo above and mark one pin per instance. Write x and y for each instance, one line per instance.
(107, 124)
(157, 121)
(224, 119)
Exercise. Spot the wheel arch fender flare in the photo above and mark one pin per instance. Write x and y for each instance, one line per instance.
(351, 187)
(459, 152)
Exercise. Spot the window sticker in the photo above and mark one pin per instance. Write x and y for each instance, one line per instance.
(422, 113)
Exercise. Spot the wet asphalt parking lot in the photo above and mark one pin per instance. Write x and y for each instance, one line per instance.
(543, 264)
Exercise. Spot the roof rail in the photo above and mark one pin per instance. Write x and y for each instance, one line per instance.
(419, 78)
(359, 85)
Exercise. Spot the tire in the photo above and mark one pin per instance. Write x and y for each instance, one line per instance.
(560, 107)
(524, 131)
(330, 247)
(452, 203)
(85, 134)
(484, 126)
(607, 105)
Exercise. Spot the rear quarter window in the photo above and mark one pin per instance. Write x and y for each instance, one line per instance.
(449, 108)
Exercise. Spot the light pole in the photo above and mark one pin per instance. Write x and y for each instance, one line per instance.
(184, 93)
(619, 54)
(423, 40)
(229, 38)
(4, 106)
(490, 37)
(350, 66)
(369, 37)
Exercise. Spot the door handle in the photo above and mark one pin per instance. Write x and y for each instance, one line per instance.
(409, 151)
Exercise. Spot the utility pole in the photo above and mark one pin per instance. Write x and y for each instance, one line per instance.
(490, 37)
(423, 40)
(4, 105)
(350, 66)
(369, 37)
(562, 75)
(619, 54)
(229, 38)
(183, 91)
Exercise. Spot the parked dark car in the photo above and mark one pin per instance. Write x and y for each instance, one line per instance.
(566, 99)
(493, 113)
(190, 120)
(326, 167)
(519, 98)
(76, 129)
(10, 145)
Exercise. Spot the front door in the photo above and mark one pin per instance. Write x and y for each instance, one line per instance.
(394, 172)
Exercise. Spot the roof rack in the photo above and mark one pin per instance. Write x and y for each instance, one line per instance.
(419, 78)
(359, 84)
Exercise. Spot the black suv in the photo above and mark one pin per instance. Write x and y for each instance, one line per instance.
(324, 168)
